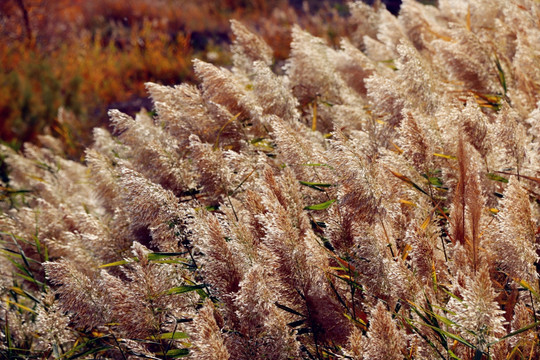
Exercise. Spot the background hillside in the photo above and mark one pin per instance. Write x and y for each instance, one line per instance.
(89, 56)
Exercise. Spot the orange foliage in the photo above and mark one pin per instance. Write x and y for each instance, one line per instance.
(86, 55)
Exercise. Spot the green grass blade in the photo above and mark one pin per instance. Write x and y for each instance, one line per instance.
(90, 352)
(118, 263)
(514, 333)
(453, 336)
(24, 293)
(496, 177)
(288, 309)
(31, 279)
(427, 322)
(185, 289)
(315, 185)
(163, 255)
(502, 76)
(296, 323)
(175, 353)
(424, 337)
(321, 206)
(170, 335)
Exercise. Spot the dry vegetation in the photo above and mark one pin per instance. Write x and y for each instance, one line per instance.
(88, 56)
(376, 200)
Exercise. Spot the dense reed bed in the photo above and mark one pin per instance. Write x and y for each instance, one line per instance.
(376, 200)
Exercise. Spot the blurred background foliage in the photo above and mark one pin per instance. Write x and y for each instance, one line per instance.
(89, 56)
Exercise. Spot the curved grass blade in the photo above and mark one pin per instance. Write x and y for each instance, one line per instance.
(185, 289)
(118, 263)
(449, 157)
(424, 337)
(90, 352)
(170, 335)
(496, 177)
(452, 336)
(514, 333)
(163, 255)
(321, 206)
(315, 185)
(288, 309)
(175, 353)
(22, 292)
(20, 306)
(408, 181)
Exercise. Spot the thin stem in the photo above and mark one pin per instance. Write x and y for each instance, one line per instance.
(26, 20)
(172, 337)
(118, 345)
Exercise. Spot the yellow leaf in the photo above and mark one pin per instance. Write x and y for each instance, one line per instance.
(406, 251)
(425, 223)
(446, 156)
(20, 306)
(17, 290)
(36, 178)
(407, 202)
(96, 333)
(398, 149)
